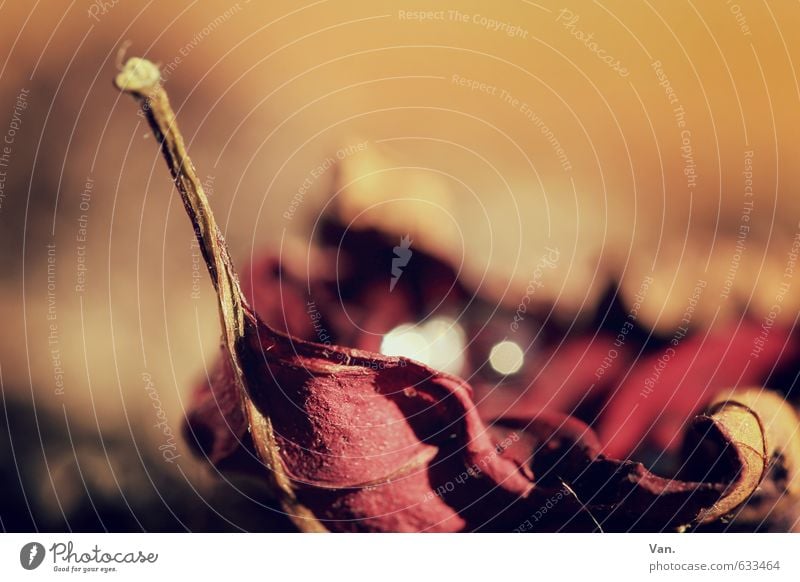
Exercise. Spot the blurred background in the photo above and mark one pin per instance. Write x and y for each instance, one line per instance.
(650, 141)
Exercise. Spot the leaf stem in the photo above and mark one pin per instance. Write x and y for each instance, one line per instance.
(142, 79)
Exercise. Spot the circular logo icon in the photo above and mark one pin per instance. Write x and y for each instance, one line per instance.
(31, 555)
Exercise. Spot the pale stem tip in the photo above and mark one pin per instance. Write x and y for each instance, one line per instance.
(138, 76)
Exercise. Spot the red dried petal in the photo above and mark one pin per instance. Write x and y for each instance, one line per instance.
(695, 371)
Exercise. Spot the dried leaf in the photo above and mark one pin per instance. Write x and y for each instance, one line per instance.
(369, 429)
(666, 388)
(744, 433)
(351, 440)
